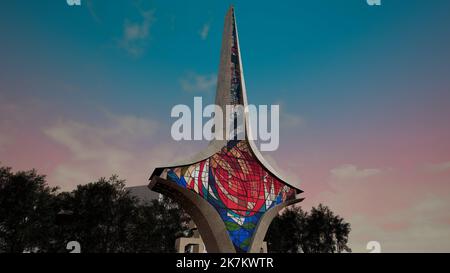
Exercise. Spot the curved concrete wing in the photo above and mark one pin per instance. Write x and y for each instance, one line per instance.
(208, 221)
(264, 223)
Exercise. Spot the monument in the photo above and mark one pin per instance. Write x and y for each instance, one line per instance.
(230, 191)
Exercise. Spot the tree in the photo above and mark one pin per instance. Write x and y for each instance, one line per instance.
(105, 219)
(158, 225)
(320, 231)
(26, 211)
(103, 215)
(286, 231)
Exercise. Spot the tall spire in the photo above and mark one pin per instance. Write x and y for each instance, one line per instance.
(229, 82)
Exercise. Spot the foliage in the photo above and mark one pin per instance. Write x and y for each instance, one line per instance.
(104, 218)
(320, 231)
(101, 216)
(26, 211)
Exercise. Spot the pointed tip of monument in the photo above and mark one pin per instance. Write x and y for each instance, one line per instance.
(231, 9)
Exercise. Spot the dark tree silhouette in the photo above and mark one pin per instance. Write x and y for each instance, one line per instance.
(26, 211)
(103, 217)
(320, 231)
(107, 219)
(158, 225)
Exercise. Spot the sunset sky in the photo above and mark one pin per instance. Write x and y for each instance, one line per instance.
(364, 91)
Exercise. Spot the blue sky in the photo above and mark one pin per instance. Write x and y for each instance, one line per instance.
(320, 53)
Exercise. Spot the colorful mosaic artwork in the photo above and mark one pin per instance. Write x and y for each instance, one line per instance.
(236, 184)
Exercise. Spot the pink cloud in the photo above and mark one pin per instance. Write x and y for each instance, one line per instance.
(72, 152)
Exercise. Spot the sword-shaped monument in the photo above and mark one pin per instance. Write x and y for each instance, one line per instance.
(230, 191)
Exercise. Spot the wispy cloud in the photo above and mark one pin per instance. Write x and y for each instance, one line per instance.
(77, 151)
(351, 172)
(92, 12)
(193, 82)
(289, 120)
(4, 140)
(204, 31)
(126, 145)
(94, 149)
(92, 142)
(438, 167)
(136, 34)
(422, 227)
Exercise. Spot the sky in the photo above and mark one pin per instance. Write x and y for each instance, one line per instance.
(86, 92)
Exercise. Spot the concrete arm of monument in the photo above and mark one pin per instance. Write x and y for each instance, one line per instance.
(214, 147)
(208, 221)
(264, 223)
